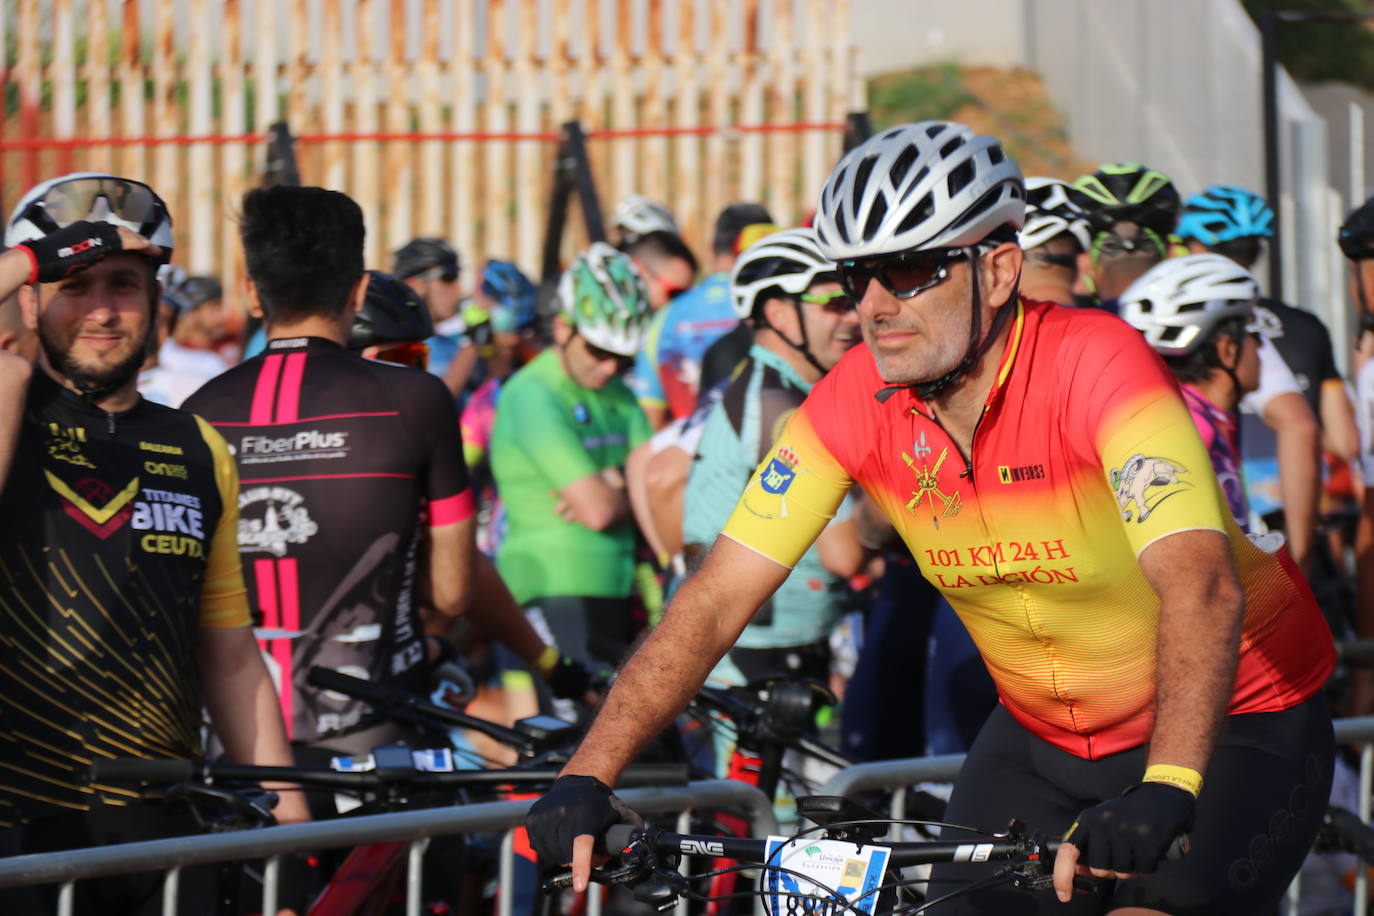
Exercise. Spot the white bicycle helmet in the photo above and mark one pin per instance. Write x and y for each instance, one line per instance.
(96, 196)
(1050, 212)
(638, 216)
(602, 295)
(933, 184)
(789, 260)
(1179, 302)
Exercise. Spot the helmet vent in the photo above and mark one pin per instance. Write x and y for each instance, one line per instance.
(1146, 307)
(875, 218)
(861, 175)
(995, 155)
(901, 164)
(983, 204)
(1170, 334)
(950, 147)
(960, 177)
(934, 130)
(919, 214)
(1190, 307)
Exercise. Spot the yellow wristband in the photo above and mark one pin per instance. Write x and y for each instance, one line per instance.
(547, 660)
(1182, 777)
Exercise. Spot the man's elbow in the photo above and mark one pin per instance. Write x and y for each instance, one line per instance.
(1225, 599)
(1293, 421)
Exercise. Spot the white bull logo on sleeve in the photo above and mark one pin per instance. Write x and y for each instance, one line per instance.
(1138, 477)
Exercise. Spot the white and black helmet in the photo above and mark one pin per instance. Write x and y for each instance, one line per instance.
(96, 196)
(789, 260)
(1050, 212)
(638, 216)
(933, 184)
(1179, 302)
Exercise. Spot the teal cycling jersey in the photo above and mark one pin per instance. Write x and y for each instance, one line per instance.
(739, 433)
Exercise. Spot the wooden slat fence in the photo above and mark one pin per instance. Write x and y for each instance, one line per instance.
(439, 116)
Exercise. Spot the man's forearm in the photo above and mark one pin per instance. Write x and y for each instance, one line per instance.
(1300, 483)
(15, 267)
(496, 614)
(701, 624)
(660, 678)
(1199, 639)
(244, 710)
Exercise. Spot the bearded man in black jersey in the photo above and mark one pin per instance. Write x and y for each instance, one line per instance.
(122, 603)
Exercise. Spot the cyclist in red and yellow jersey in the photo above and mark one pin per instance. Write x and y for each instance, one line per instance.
(1159, 673)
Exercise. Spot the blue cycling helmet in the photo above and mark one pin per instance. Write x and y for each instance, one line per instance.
(1224, 213)
(505, 285)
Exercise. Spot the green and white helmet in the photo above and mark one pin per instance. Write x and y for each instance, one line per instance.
(602, 295)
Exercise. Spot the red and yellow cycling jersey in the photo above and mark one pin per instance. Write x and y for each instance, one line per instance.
(1085, 455)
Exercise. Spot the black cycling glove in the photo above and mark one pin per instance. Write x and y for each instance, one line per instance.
(573, 806)
(73, 247)
(569, 679)
(1132, 834)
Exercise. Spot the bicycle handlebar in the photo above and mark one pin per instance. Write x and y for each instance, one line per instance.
(387, 697)
(160, 772)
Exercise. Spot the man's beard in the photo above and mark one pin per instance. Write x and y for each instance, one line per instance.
(94, 383)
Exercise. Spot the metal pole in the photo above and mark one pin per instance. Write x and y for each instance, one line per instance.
(65, 897)
(1362, 874)
(505, 894)
(415, 874)
(171, 885)
(1269, 31)
(271, 877)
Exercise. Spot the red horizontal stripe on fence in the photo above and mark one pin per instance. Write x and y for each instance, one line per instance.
(26, 144)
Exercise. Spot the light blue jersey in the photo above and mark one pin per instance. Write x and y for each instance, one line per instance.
(739, 433)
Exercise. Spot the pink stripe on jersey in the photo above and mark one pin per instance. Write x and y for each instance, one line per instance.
(290, 592)
(452, 509)
(289, 398)
(265, 576)
(264, 393)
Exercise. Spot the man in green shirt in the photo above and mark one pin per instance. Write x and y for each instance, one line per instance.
(564, 425)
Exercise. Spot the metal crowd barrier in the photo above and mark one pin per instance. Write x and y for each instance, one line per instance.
(413, 827)
(895, 774)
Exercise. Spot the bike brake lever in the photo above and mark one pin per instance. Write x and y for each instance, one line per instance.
(624, 873)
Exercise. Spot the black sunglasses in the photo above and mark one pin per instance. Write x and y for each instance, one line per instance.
(602, 355)
(903, 275)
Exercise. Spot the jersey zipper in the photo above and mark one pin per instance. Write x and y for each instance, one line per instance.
(110, 424)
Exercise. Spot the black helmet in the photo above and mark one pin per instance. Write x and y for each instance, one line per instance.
(391, 313)
(1128, 192)
(422, 254)
(193, 292)
(1356, 237)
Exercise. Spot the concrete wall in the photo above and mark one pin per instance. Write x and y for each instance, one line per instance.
(898, 34)
(1171, 83)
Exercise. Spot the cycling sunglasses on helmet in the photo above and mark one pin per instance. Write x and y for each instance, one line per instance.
(904, 274)
(97, 198)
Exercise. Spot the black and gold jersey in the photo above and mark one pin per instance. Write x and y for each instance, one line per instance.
(117, 544)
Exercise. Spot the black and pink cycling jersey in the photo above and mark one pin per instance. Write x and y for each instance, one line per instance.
(339, 458)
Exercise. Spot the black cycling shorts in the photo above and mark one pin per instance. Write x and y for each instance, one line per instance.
(1263, 798)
